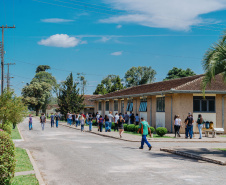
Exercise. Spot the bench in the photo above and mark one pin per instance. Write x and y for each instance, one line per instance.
(214, 132)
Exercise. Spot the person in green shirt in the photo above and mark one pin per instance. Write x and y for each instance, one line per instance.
(144, 127)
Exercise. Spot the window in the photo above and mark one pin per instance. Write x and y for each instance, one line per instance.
(122, 106)
(203, 105)
(161, 104)
(115, 105)
(99, 106)
(129, 106)
(143, 106)
(107, 106)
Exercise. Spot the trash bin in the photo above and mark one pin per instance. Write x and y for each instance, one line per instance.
(207, 124)
(211, 125)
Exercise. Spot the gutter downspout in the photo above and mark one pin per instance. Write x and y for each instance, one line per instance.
(151, 112)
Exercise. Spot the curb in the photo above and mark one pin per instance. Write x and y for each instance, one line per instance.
(193, 156)
(22, 138)
(157, 141)
(37, 172)
(100, 134)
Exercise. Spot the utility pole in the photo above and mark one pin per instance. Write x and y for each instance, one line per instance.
(2, 56)
(8, 76)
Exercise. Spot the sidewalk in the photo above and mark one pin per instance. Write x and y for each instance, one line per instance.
(137, 138)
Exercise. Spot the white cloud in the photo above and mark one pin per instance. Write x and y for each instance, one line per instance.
(60, 40)
(56, 20)
(119, 26)
(104, 39)
(117, 53)
(172, 14)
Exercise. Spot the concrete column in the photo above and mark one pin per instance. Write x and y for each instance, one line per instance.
(153, 112)
(111, 106)
(168, 113)
(103, 108)
(119, 105)
(125, 104)
(137, 106)
(149, 110)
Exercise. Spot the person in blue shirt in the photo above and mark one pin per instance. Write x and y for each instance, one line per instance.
(137, 119)
(52, 119)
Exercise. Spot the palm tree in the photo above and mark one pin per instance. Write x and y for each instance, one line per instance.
(214, 62)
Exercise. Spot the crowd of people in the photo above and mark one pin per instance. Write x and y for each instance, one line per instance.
(189, 125)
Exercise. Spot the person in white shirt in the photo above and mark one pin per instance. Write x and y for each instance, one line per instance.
(116, 121)
(97, 120)
(111, 119)
(177, 125)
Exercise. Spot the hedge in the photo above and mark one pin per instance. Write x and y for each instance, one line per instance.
(7, 126)
(152, 130)
(125, 126)
(131, 128)
(161, 131)
(7, 158)
(136, 128)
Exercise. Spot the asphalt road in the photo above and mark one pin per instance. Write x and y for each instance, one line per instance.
(66, 156)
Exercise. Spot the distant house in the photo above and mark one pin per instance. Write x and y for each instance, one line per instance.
(159, 102)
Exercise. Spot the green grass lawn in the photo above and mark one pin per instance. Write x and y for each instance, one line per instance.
(222, 136)
(25, 180)
(222, 149)
(15, 134)
(22, 161)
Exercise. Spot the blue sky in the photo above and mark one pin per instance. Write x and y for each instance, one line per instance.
(104, 37)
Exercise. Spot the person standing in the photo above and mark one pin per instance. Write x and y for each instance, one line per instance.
(90, 119)
(82, 122)
(57, 117)
(120, 123)
(126, 117)
(106, 123)
(42, 120)
(30, 122)
(101, 121)
(116, 121)
(73, 118)
(97, 120)
(111, 119)
(189, 125)
(177, 125)
(70, 118)
(52, 120)
(67, 117)
(47, 115)
(200, 125)
(87, 118)
(137, 119)
(132, 118)
(144, 127)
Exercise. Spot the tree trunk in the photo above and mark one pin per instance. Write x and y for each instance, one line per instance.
(37, 111)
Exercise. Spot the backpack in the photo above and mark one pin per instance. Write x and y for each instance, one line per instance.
(42, 119)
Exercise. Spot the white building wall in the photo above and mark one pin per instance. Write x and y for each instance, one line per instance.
(144, 115)
(106, 112)
(160, 119)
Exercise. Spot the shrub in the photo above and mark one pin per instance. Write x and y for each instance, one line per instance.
(112, 125)
(161, 131)
(136, 128)
(131, 127)
(152, 129)
(7, 159)
(94, 123)
(7, 126)
(125, 127)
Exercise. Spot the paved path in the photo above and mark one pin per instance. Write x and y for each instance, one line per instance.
(66, 156)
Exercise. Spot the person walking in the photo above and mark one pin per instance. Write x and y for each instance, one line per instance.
(90, 119)
(82, 122)
(67, 117)
(144, 128)
(42, 120)
(106, 119)
(137, 119)
(73, 119)
(52, 120)
(76, 120)
(57, 117)
(97, 120)
(111, 119)
(87, 118)
(126, 118)
(200, 125)
(30, 122)
(120, 123)
(116, 121)
(70, 119)
(189, 125)
(177, 125)
(101, 122)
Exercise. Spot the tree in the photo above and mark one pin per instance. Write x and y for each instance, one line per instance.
(12, 109)
(109, 84)
(69, 99)
(82, 81)
(179, 73)
(35, 95)
(214, 62)
(139, 75)
(42, 68)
